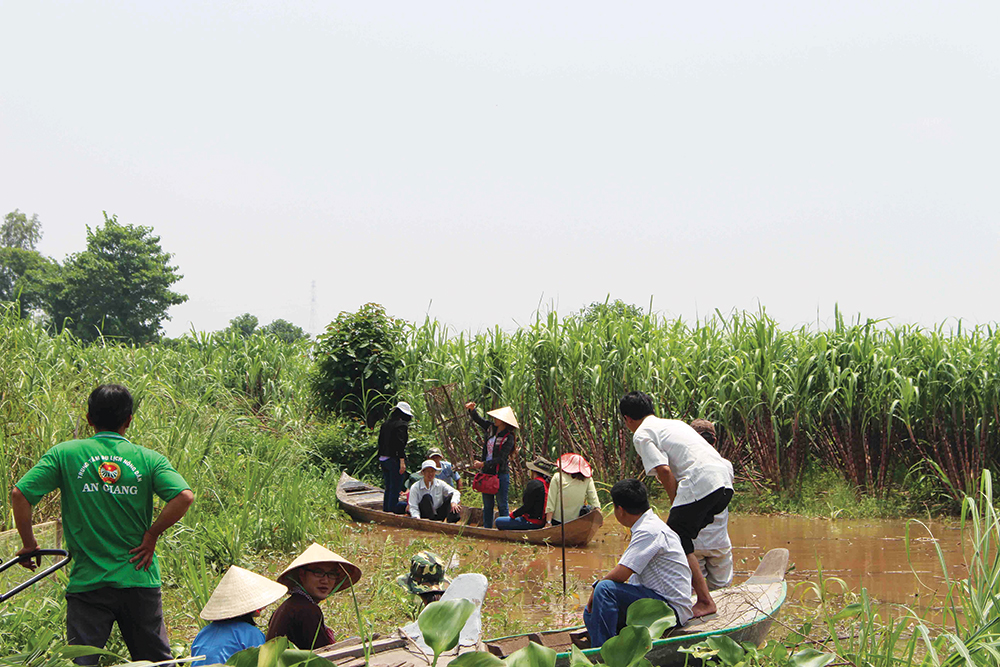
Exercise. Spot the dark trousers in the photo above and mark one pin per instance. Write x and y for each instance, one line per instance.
(427, 510)
(138, 611)
(392, 482)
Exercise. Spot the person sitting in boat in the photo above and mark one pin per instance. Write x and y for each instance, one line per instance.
(311, 578)
(653, 566)
(572, 492)
(448, 474)
(497, 448)
(427, 577)
(392, 437)
(235, 603)
(712, 547)
(531, 514)
(430, 498)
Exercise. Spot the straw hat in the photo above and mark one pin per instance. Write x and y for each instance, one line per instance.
(320, 554)
(542, 465)
(506, 415)
(705, 429)
(241, 592)
(573, 463)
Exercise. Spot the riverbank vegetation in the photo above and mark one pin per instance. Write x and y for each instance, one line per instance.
(850, 421)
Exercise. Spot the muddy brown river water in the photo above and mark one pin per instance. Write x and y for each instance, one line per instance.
(863, 553)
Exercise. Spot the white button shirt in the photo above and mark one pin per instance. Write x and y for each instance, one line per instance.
(437, 491)
(698, 467)
(657, 558)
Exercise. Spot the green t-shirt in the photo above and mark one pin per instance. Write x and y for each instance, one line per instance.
(107, 486)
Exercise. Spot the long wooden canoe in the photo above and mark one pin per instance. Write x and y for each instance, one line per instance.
(363, 502)
(745, 614)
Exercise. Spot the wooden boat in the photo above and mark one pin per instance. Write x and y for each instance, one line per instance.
(745, 614)
(363, 502)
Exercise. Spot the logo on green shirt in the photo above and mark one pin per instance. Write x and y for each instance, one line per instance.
(109, 472)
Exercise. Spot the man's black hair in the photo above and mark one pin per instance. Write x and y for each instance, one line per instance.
(636, 405)
(630, 495)
(109, 406)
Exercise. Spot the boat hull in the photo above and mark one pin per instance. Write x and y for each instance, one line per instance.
(363, 502)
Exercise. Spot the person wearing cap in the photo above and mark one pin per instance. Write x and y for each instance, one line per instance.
(427, 578)
(235, 602)
(697, 479)
(531, 514)
(572, 492)
(448, 473)
(497, 447)
(712, 547)
(310, 578)
(430, 498)
(392, 437)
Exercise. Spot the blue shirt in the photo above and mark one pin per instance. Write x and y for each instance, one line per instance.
(447, 474)
(220, 639)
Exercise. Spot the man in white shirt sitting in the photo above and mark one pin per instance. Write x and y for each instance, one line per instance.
(430, 498)
(653, 566)
(697, 479)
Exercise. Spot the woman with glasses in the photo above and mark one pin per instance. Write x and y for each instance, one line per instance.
(311, 578)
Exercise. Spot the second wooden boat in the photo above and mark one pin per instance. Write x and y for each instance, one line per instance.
(363, 502)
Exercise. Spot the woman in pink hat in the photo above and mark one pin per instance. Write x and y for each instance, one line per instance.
(571, 492)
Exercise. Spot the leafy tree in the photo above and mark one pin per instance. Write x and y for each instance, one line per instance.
(27, 276)
(616, 309)
(18, 231)
(356, 363)
(284, 331)
(119, 286)
(245, 325)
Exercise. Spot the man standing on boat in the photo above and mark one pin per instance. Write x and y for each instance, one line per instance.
(106, 485)
(712, 547)
(653, 566)
(696, 477)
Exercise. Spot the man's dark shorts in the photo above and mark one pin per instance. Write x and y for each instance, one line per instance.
(688, 520)
(138, 611)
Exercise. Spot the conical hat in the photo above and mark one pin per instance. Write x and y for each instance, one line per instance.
(241, 592)
(506, 415)
(319, 554)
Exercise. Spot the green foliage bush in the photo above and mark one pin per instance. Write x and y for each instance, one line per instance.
(356, 364)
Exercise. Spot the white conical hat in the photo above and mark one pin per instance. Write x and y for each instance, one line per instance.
(241, 592)
(506, 415)
(317, 553)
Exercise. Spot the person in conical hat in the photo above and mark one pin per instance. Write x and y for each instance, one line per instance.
(235, 602)
(311, 578)
(497, 447)
(572, 492)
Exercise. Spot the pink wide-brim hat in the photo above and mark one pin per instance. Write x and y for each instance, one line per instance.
(574, 463)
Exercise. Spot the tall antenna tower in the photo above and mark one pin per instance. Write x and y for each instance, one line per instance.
(312, 308)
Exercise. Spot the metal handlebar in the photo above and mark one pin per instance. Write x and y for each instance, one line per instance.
(38, 577)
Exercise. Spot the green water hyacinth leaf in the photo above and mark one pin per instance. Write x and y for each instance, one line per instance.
(276, 653)
(532, 655)
(810, 657)
(476, 659)
(654, 615)
(626, 649)
(577, 658)
(729, 651)
(441, 623)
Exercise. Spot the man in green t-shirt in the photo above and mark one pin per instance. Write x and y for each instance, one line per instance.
(107, 486)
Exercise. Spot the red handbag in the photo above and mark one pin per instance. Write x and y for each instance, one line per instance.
(488, 484)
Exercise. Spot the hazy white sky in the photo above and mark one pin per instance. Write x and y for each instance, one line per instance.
(476, 160)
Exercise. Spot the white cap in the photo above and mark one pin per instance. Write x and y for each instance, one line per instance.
(429, 463)
(405, 408)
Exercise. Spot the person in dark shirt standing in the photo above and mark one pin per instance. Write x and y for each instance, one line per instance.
(531, 514)
(392, 437)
